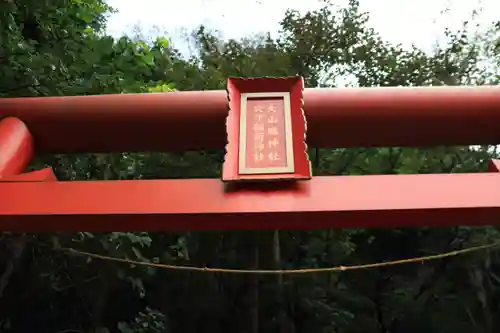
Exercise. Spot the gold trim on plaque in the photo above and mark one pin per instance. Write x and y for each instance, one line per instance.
(242, 159)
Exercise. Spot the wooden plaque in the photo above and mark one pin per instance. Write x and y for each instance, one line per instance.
(266, 130)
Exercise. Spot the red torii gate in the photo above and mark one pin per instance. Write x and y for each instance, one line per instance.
(369, 117)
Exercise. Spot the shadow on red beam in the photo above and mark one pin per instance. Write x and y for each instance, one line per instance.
(203, 204)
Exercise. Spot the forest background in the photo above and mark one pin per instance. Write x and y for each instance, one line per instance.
(59, 47)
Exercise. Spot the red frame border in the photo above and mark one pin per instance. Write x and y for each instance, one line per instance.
(293, 85)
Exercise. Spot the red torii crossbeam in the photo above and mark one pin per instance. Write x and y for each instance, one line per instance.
(393, 201)
(338, 117)
(167, 121)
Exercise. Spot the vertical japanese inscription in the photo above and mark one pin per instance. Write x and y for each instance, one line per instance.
(266, 134)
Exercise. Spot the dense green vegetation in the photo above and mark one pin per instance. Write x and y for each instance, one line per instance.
(59, 47)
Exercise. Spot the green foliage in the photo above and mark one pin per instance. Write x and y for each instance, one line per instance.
(149, 322)
(163, 87)
(56, 47)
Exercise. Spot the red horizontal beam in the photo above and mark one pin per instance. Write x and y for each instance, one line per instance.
(425, 116)
(203, 204)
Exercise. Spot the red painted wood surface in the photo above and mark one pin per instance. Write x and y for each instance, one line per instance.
(43, 175)
(16, 147)
(423, 116)
(203, 204)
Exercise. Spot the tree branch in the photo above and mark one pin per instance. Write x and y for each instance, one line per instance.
(17, 251)
(378, 306)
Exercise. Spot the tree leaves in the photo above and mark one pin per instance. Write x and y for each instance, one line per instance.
(68, 54)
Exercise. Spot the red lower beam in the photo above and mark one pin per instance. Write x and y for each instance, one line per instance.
(204, 204)
(369, 117)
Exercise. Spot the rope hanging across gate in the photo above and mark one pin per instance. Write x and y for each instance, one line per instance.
(286, 271)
